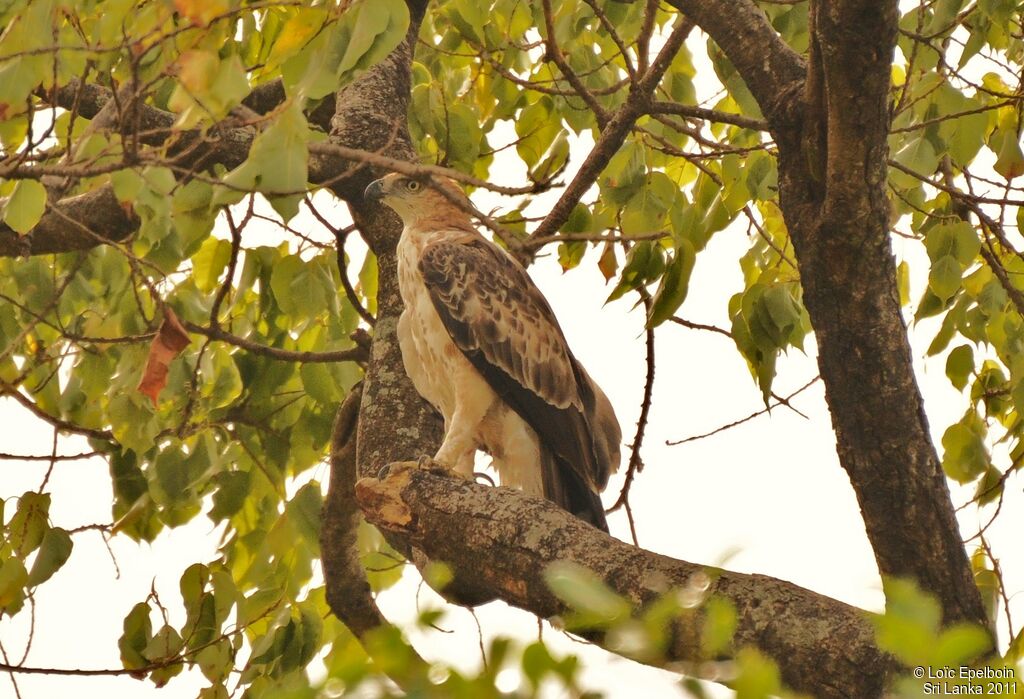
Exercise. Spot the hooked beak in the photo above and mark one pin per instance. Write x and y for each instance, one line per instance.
(374, 191)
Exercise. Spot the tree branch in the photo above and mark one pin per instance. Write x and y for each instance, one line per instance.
(353, 354)
(689, 112)
(613, 134)
(773, 72)
(506, 540)
(348, 592)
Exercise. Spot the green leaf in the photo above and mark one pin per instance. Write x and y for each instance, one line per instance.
(438, 575)
(319, 383)
(296, 288)
(13, 578)
(54, 552)
(258, 605)
(918, 155)
(303, 511)
(674, 285)
(217, 691)
(368, 281)
(571, 254)
(128, 479)
(580, 220)
(1010, 159)
(646, 210)
(945, 277)
(645, 262)
(960, 366)
(165, 644)
(960, 644)
(958, 240)
(208, 87)
(25, 206)
(209, 263)
(222, 380)
(757, 677)
(965, 456)
(625, 173)
(132, 422)
(720, 622)
(469, 16)
(192, 214)
(595, 604)
(138, 630)
(537, 129)
(216, 661)
(537, 662)
(127, 184)
(277, 165)
(232, 489)
(28, 526)
(383, 564)
(376, 29)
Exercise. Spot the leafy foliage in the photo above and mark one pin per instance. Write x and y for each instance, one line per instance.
(236, 427)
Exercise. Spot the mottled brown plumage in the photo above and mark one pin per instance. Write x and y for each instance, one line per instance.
(482, 344)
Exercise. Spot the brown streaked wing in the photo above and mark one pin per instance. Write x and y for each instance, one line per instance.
(501, 322)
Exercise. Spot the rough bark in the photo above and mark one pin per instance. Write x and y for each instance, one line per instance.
(830, 119)
(75, 223)
(772, 71)
(507, 540)
(348, 592)
(839, 222)
(394, 422)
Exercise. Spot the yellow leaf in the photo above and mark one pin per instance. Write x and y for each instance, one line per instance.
(296, 33)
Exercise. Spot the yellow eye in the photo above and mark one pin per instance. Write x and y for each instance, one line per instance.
(412, 185)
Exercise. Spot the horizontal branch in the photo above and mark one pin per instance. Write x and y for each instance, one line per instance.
(950, 189)
(76, 672)
(59, 423)
(499, 543)
(48, 457)
(690, 112)
(353, 354)
(96, 217)
(75, 223)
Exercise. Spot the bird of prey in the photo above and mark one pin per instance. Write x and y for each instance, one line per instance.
(481, 343)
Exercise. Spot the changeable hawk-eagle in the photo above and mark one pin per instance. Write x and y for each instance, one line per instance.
(480, 343)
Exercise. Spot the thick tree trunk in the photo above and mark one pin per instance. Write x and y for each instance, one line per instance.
(829, 116)
(392, 422)
(833, 177)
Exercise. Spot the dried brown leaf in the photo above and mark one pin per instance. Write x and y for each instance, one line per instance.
(170, 340)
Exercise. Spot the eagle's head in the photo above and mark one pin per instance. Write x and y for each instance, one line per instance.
(419, 202)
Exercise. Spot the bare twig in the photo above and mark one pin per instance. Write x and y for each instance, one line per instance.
(746, 419)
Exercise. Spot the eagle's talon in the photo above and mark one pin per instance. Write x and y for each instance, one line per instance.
(432, 465)
(383, 472)
(479, 476)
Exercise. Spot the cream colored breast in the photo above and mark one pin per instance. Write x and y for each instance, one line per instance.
(428, 352)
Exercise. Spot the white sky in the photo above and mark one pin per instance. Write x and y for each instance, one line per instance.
(766, 497)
